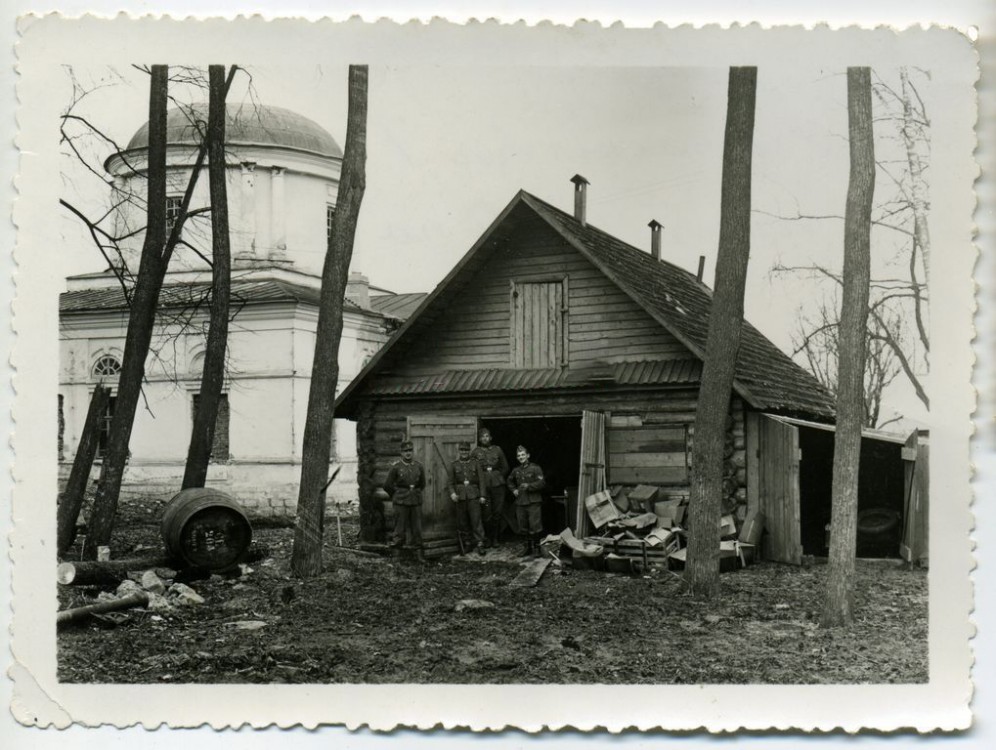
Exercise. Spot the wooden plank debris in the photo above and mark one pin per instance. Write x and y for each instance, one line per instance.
(530, 575)
(600, 508)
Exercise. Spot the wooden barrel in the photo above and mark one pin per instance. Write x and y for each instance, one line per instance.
(205, 528)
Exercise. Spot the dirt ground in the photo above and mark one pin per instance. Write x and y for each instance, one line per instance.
(382, 620)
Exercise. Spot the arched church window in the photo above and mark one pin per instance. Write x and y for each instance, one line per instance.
(106, 365)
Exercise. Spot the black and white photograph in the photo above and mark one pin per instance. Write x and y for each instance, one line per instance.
(363, 369)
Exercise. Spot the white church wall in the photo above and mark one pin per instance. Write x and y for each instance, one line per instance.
(271, 349)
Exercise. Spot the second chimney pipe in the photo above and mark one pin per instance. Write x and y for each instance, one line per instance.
(655, 238)
(580, 196)
(701, 272)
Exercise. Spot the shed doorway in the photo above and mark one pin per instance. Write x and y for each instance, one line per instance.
(798, 517)
(555, 444)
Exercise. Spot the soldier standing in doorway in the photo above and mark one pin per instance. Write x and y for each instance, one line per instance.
(466, 487)
(495, 466)
(405, 482)
(525, 481)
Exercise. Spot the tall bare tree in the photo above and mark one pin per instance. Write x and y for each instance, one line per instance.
(306, 559)
(213, 375)
(898, 307)
(817, 337)
(141, 320)
(160, 241)
(838, 604)
(723, 342)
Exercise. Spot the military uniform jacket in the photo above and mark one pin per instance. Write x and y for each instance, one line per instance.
(528, 480)
(466, 479)
(405, 483)
(493, 464)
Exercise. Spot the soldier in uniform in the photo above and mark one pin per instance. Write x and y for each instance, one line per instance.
(495, 467)
(466, 488)
(525, 481)
(405, 482)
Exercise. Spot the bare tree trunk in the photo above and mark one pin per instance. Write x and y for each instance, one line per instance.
(86, 451)
(725, 321)
(306, 559)
(838, 605)
(141, 320)
(213, 376)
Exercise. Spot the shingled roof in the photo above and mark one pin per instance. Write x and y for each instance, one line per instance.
(766, 377)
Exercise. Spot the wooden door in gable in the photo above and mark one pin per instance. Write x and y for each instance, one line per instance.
(538, 330)
(435, 440)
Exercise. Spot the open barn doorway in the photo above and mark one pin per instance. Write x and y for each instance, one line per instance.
(555, 444)
(880, 493)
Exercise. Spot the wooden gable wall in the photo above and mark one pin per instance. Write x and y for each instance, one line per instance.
(475, 332)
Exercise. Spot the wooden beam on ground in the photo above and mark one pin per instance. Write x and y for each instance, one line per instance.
(530, 575)
(138, 599)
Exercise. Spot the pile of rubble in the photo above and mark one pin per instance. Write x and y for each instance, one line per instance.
(635, 530)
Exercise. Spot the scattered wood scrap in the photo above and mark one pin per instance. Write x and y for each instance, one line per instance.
(530, 575)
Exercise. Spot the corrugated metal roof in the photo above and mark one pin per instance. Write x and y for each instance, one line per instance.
(192, 294)
(662, 372)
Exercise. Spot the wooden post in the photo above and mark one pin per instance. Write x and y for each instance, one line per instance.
(86, 452)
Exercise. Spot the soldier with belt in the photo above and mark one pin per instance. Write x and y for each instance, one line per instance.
(525, 481)
(495, 467)
(405, 482)
(466, 488)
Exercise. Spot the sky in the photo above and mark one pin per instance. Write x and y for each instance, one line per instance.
(450, 146)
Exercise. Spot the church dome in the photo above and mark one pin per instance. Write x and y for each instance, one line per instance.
(247, 125)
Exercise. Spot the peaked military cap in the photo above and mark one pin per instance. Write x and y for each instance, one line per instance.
(463, 446)
(406, 445)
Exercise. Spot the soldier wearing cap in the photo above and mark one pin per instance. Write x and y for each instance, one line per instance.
(466, 488)
(495, 467)
(405, 482)
(526, 481)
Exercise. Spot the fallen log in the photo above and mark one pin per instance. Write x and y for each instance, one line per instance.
(138, 599)
(109, 572)
(97, 573)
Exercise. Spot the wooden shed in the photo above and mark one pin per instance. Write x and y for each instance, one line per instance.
(559, 336)
(892, 489)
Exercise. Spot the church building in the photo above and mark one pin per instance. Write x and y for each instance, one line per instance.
(282, 177)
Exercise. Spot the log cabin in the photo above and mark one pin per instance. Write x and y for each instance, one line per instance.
(556, 335)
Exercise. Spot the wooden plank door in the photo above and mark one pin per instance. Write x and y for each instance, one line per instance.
(435, 440)
(537, 331)
(591, 475)
(778, 459)
(916, 458)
